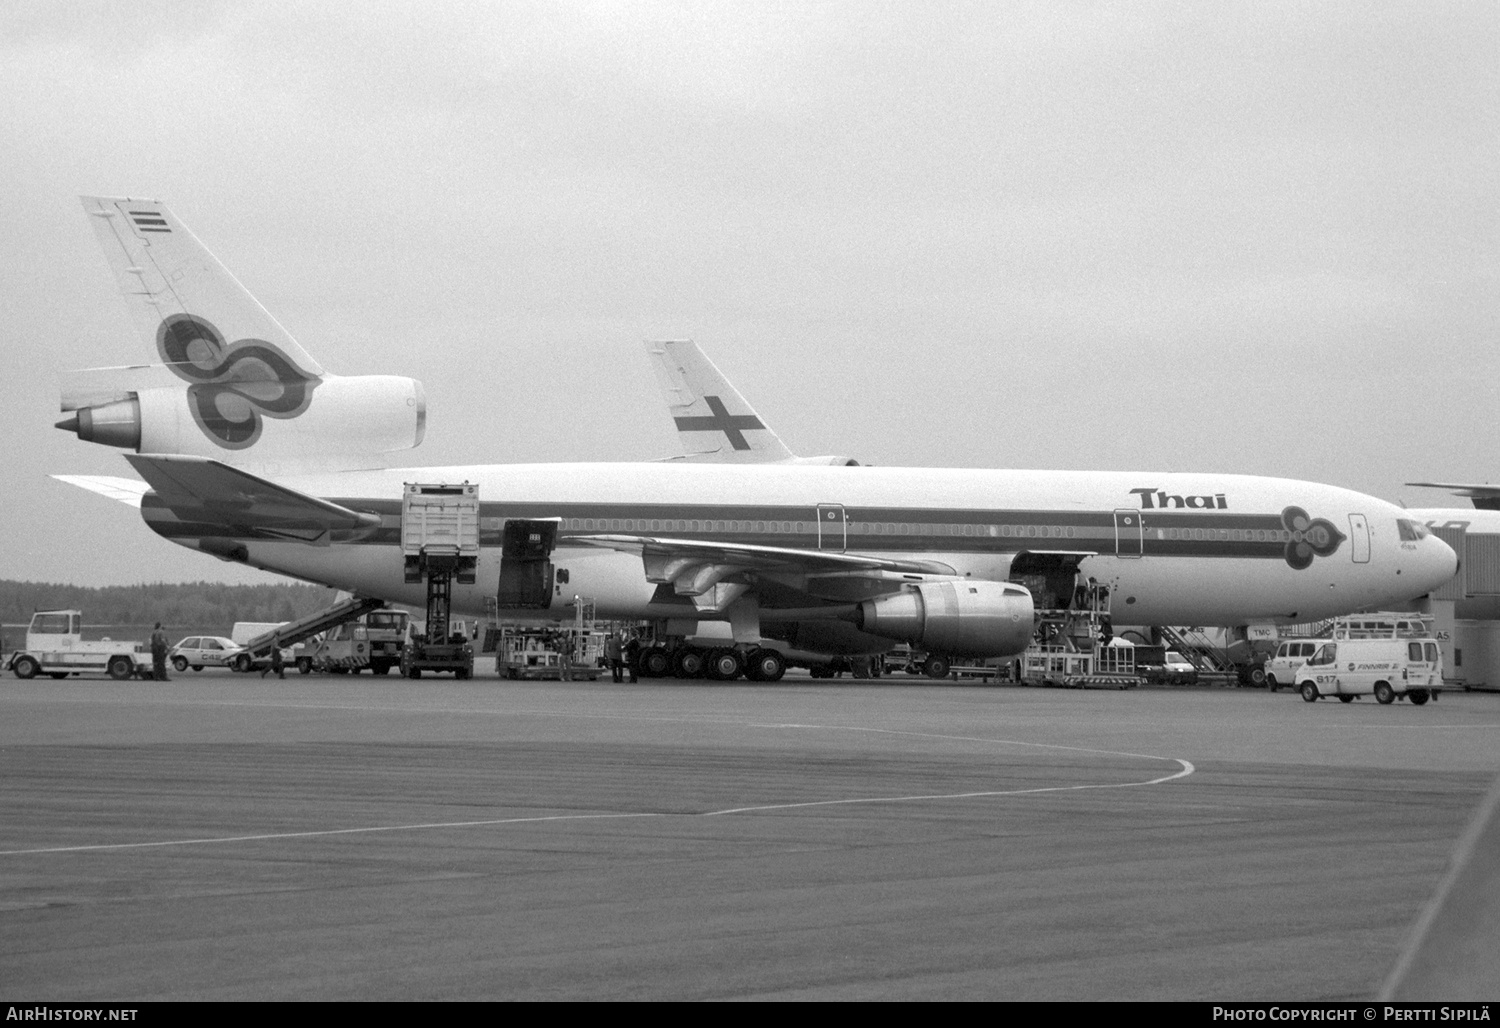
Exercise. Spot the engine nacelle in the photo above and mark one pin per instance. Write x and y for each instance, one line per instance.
(236, 421)
(959, 618)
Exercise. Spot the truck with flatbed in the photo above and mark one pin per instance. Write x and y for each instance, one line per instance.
(55, 646)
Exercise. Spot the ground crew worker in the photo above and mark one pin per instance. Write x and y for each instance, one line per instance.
(613, 648)
(276, 665)
(631, 654)
(159, 654)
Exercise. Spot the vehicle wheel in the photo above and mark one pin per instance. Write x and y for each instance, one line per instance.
(242, 662)
(936, 667)
(654, 663)
(687, 663)
(380, 669)
(765, 666)
(1384, 693)
(1310, 691)
(58, 674)
(120, 668)
(1417, 697)
(1345, 698)
(1271, 683)
(1258, 677)
(304, 665)
(725, 665)
(416, 672)
(180, 663)
(26, 667)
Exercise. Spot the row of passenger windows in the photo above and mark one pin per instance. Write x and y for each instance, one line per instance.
(907, 529)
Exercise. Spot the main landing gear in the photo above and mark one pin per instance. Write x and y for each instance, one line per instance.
(723, 664)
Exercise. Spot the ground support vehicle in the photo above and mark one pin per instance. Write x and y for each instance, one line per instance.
(375, 641)
(55, 646)
(543, 653)
(1386, 668)
(256, 638)
(440, 545)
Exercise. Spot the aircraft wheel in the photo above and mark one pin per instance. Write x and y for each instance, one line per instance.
(197, 667)
(1417, 697)
(654, 663)
(1345, 698)
(936, 667)
(180, 663)
(725, 665)
(765, 666)
(58, 674)
(415, 673)
(1384, 693)
(1310, 691)
(687, 663)
(119, 668)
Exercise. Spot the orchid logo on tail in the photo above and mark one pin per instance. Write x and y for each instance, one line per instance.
(232, 385)
(1310, 538)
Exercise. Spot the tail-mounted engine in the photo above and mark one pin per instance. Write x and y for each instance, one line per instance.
(254, 418)
(960, 618)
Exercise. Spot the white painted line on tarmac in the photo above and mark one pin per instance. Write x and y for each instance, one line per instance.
(1186, 768)
(329, 831)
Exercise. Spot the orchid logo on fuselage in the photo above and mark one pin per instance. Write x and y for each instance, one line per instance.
(1309, 537)
(232, 385)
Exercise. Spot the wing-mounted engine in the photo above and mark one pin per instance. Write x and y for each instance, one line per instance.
(960, 617)
(252, 416)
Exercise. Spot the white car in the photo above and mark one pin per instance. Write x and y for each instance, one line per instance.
(200, 651)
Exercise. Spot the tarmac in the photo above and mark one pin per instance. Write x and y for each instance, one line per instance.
(224, 837)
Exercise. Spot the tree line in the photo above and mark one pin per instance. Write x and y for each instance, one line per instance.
(208, 607)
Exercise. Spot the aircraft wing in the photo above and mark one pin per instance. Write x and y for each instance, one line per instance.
(694, 567)
(1485, 497)
(201, 489)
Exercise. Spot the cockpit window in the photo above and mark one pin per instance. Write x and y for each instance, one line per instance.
(1410, 530)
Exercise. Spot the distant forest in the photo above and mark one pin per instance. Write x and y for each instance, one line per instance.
(205, 607)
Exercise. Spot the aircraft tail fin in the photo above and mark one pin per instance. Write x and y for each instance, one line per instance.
(713, 420)
(166, 274)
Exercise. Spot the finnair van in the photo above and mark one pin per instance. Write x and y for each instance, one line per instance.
(1384, 668)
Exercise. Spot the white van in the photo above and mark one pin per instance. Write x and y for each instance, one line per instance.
(1384, 668)
(1281, 668)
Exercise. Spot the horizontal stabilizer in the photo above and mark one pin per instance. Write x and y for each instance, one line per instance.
(201, 489)
(124, 490)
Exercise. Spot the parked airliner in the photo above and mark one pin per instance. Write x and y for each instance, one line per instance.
(251, 452)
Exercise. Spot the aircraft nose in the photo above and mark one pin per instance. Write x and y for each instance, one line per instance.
(1440, 563)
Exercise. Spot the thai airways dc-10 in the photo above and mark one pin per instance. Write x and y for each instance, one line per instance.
(252, 452)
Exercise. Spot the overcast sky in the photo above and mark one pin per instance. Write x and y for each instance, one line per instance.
(1233, 237)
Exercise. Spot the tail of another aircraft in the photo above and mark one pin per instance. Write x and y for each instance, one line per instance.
(713, 420)
(226, 380)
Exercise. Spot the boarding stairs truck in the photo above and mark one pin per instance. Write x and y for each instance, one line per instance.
(55, 646)
(439, 545)
(257, 648)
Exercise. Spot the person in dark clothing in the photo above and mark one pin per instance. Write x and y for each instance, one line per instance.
(630, 653)
(159, 654)
(277, 664)
(613, 652)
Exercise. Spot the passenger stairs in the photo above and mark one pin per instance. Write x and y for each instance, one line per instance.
(294, 632)
(1211, 660)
